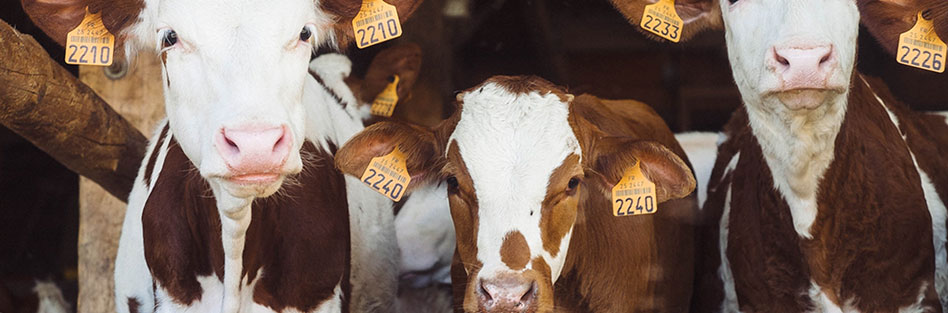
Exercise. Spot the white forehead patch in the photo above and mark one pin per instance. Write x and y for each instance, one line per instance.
(511, 143)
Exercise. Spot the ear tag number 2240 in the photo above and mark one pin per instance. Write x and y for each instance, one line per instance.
(920, 47)
(660, 18)
(376, 22)
(90, 43)
(634, 194)
(388, 174)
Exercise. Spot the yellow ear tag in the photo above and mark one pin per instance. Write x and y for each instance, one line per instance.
(920, 47)
(634, 194)
(376, 22)
(90, 43)
(660, 18)
(388, 174)
(384, 103)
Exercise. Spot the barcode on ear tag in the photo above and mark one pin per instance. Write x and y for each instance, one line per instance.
(634, 194)
(385, 101)
(388, 174)
(376, 22)
(920, 47)
(661, 19)
(90, 43)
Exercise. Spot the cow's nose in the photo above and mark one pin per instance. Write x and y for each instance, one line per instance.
(806, 67)
(254, 150)
(508, 294)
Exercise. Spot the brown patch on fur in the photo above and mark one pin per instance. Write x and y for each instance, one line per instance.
(133, 305)
(299, 237)
(559, 206)
(524, 85)
(871, 240)
(464, 208)
(150, 167)
(57, 18)
(886, 20)
(514, 251)
(706, 15)
(418, 144)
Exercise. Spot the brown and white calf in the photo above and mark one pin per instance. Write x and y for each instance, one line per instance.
(225, 216)
(827, 194)
(529, 170)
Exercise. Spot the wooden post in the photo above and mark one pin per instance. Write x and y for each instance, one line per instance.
(136, 95)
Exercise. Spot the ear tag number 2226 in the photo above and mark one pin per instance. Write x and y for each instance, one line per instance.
(388, 174)
(376, 22)
(634, 194)
(90, 43)
(920, 47)
(661, 19)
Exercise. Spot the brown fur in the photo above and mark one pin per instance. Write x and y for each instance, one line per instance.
(514, 251)
(150, 166)
(872, 235)
(886, 20)
(609, 268)
(300, 238)
(706, 15)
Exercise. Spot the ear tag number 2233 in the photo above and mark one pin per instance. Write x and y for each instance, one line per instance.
(388, 174)
(90, 43)
(376, 22)
(634, 194)
(661, 19)
(920, 47)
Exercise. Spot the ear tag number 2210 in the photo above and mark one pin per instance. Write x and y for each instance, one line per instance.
(920, 47)
(90, 43)
(634, 194)
(388, 174)
(376, 22)
(660, 18)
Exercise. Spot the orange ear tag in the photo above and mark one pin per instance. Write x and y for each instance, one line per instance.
(376, 22)
(90, 43)
(384, 103)
(920, 47)
(634, 194)
(660, 18)
(388, 174)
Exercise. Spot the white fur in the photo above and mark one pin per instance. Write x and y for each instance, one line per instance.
(702, 151)
(374, 250)
(936, 209)
(425, 235)
(511, 144)
(50, 298)
(727, 277)
(797, 145)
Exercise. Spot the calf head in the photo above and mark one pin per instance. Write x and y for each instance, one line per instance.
(233, 74)
(518, 165)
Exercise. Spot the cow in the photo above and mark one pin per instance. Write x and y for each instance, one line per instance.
(529, 170)
(224, 215)
(827, 193)
(44, 297)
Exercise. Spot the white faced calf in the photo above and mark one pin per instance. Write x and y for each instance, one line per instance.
(529, 176)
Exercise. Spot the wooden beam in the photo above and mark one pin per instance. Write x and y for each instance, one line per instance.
(48, 106)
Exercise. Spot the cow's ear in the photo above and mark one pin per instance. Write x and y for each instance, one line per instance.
(57, 18)
(402, 60)
(887, 19)
(698, 15)
(612, 156)
(417, 144)
(344, 11)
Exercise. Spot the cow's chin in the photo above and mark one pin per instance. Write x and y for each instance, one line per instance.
(258, 185)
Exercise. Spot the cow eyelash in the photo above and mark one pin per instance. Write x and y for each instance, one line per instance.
(732, 1)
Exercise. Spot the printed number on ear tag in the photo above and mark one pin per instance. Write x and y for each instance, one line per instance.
(388, 174)
(660, 18)
(920, 47)
(634, 194)
(384, 103)
(90, 43)
(376, 22)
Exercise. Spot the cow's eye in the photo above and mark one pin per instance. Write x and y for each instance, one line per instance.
(732, 1)
(571, 186)
(306, 34)
(170, 38)
(452, 184)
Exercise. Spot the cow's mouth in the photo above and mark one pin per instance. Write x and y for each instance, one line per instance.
(254, 179)
(804, 98)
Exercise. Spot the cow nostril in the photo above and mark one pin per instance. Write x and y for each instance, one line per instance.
(529, 295)
(484, 293)
(780, 59)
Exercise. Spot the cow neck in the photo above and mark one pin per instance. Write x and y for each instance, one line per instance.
(332, 110)
(798, 148)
